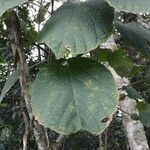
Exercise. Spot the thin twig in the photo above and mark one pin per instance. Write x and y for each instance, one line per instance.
(123, 111)
(37, 64)
(52, 1)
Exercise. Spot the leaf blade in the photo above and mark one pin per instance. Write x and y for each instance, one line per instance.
(78, 27)
(74, 97)
(12, 79)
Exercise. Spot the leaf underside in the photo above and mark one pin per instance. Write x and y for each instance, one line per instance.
(78, 27)
(75, 95)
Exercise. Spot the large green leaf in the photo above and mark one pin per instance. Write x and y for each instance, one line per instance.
(136, 36)
(78, 27)
(9, 83)
(135, 6)
(6, 4)
(74, 95)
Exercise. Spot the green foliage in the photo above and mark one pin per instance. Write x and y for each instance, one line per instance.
(135, 116)
(9, 83)
(136, 36)
(120, 63)
(30, 37)
(116, 59)
(7, 4)
(134, 6)
(141, 105)
(144, 115)
(132, 93)
(1, 60)
(74, 95)
(78, 27)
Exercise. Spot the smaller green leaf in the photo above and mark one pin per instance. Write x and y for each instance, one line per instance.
(120, 63)
(132, 93)
(29, 38)
(116, 59)
(144, 115)
(101, 55)
(134, 116)
(136, 36)
(9, 83)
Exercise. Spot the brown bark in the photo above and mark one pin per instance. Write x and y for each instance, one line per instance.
(40, 136)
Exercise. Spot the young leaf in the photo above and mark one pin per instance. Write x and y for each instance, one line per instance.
(78, 27)
(75, 95)
(9, 83)
(134, 6)
(6, 4)
(136, 36)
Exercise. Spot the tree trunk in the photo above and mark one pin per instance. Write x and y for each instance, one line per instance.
(134, 130)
